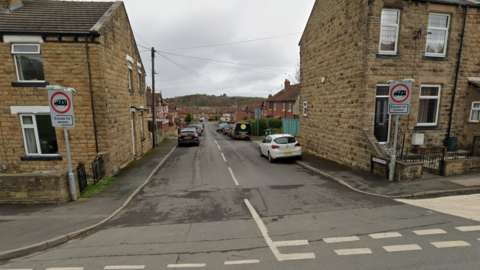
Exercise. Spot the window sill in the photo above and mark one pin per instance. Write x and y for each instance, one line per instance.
(29, 84)
(41, 158)
(434, 58)
(131, 90)
(389, 56)
(427, 128)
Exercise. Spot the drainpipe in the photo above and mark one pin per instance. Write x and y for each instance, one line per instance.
(91, 94)
(458, 71)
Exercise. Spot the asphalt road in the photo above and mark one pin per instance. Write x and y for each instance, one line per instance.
(222, 206)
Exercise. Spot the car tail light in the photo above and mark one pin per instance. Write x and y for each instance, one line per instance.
(196, 136)
(179, 136)
(297, 144)
(248, 137)
(275, 146)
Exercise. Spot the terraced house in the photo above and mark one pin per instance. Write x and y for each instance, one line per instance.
(88, 46)
(351, 50)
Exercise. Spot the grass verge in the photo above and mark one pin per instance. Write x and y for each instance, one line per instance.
(93, 189)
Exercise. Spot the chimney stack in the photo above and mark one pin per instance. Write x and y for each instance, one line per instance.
(10, 5)
(287, 84)
(149, 90)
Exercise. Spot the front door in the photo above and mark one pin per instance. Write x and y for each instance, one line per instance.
(381, 119)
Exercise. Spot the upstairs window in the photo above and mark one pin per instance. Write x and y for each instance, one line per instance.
(475, 112)
(139, 77)
(28, 62)
(274, 106)
(39, 135)
(389, 31)
(283, 107)
(437, 34)
(129, 75)
(289, 106)
(428, 105)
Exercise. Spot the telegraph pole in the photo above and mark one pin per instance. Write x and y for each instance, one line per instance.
(153, 99)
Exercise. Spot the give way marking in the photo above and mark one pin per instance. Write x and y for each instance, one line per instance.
(273, 245)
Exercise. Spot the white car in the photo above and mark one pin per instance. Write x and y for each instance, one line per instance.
(280, 146)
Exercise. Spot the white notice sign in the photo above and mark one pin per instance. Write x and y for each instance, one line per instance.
(399, 98)
(61, 108)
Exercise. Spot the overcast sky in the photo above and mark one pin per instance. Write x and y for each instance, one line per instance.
(174, 26)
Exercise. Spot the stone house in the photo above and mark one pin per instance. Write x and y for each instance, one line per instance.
(282, 104)
(88, 46)
(349, 52)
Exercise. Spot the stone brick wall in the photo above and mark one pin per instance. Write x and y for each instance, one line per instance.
(461, 166)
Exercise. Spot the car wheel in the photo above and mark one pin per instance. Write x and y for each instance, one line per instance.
(299, 158)
(270, 159)
(260, 151)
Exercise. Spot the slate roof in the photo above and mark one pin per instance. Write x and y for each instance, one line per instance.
(289, 94)
(53, 17)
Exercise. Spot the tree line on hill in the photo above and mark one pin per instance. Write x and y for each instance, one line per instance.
(212, 100)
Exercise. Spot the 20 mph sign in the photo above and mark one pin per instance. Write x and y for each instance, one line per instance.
(61, 108)
(399, 98)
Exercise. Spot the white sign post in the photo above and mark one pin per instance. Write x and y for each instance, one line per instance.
(61, 113)
(398, 103)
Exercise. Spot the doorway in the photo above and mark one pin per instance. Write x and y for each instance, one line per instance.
(382, 118)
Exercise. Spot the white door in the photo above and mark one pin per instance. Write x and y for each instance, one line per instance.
(133, 136)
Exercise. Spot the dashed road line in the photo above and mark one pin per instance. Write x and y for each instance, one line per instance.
(233, 176)
(448, 244)
(429, 232)
(353, 251)
(186, 265)
(340, 239)
(290, 243)
(402, 248)
(270, 243)
(241, 262)
(468, 228)
(216, 141)
(224, 159)
(385, 235)
(219, 147)
(122, 267)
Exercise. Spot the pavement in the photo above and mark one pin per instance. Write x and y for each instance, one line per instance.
(29, 228)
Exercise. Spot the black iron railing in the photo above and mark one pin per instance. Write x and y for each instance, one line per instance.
(81, 176)
(97, 169)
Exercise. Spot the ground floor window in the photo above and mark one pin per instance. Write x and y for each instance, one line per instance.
(475, 112)
(428, 105)
(39, 135)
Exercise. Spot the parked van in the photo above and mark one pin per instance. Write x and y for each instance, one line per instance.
(241, 130)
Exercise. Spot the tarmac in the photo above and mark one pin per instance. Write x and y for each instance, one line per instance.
(29, 228)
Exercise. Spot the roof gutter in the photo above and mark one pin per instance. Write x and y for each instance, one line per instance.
(447, 3)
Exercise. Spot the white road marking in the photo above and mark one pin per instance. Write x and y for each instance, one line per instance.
(291, 243)
(121, 267)
(233, 176)
(216, 141)
(465, 206)
(186, 265)
(448, 244)
(241, 262)
(429, 232)
(224, 159)
(65, 268)
(271, 245)
(219, 147)
(385, 235)
(468, 228)
(353, 251)
(401, 248)
(340, 239)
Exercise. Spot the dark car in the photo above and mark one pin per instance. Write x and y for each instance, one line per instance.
(226, 129)
(241, 130)
(188, 136)
(198, 128)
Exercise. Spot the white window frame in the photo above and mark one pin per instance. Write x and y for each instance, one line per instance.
(396, 37)
(283, 107)
(289, 106)
(274, 106)
(430, 97)
(474, 109)
(37, 140)
(14, 53)
(438, 28)
(129, 66)
(139, 76)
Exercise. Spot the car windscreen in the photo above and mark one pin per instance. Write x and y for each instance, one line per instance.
(187, 133)
(284, 140)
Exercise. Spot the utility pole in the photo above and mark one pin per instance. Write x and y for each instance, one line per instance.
(153, 99)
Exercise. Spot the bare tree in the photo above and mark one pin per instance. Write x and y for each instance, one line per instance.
(297, 72)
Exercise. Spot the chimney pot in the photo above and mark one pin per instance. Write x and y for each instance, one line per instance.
(287, 83)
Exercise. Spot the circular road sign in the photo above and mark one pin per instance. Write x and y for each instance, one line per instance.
(60, 102)
(399, 93)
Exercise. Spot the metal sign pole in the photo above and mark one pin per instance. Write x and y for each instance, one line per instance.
(394, 154)
(71, 178)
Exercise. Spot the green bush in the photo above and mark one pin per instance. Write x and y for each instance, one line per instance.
(266, 123)
(275, 123)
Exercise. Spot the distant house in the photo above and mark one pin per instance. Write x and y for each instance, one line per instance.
(88, 46)
(283, 103)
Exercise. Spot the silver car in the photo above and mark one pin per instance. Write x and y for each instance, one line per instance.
(279, 146)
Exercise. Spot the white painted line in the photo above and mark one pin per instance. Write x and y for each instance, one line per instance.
(216, 141)
(186, 265)
(121, 267)
(353, 251)
(448, 244)
(233, 176)
(219, 147)
(429, 232)
(65, 268)
(402, 248)
(271, 245)
(385, 235)
(468, 228)
(340, 239)
(224, 159)
(291, 243)
(241, 262)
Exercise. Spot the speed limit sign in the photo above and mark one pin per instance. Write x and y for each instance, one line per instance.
(399, 98)
(61, 108)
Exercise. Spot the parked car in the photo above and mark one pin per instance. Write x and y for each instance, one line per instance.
(226, 129)
(198, 128)
(230, 129)
(188, 136)
(280, 146)
(241, 130)
(221, 127)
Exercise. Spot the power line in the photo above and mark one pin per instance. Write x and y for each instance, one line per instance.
(141, 38)
(230, 43)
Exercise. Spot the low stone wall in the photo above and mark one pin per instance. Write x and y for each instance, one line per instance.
(404, 171)
(36, 188)
(461, 166)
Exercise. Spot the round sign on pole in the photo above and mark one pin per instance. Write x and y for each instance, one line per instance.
(400, 93)
(61, 108)
(399, 98)
(60, 102)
